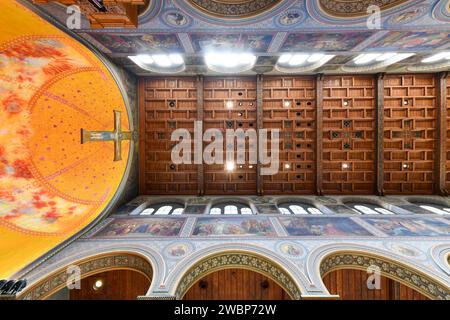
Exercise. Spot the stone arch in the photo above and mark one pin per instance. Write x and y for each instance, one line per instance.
(89, 265)
(330, 258)
(218, 259)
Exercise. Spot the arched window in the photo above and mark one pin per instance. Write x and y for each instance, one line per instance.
(368, 208)
(163, 209)
(298, 208)
(435, 208)
(230, 209)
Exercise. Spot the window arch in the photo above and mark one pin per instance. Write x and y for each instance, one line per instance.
(368, 208)
(434, 208)
(230, 208)
(298, 208)
(162, 209)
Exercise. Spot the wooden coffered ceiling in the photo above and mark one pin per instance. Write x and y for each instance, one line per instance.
(359, 134)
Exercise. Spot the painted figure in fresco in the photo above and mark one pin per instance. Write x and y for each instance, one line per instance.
(176, 19)
(290, 18)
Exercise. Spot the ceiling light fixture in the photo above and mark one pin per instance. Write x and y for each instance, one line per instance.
(229, 104)
(230, 166)
(161, 63)
(301, 62)
(230, 62)
(437, 57)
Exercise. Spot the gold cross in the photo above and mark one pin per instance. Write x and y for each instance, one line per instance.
(117, 136)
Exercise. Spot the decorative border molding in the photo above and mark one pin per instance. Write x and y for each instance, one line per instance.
(96, 264)
(244, 260)
(389, 268)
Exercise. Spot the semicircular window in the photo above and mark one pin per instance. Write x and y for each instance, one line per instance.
(230, 208)
(368, 208)
(298, 208)
(434, 208)
(163, 209)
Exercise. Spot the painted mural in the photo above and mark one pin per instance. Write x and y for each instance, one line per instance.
(324, 41)
(148, 227)
(323, 226)
(135, 43)
(51, 186)
(230, 41)
(235, 226)
(410, 227)
(397, 40)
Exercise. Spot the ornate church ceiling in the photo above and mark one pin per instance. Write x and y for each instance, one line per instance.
(269, 28)
(51, 186)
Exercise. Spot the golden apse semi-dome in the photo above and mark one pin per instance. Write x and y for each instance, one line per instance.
(51, 185)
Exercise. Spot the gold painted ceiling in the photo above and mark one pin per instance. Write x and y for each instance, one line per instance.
(51, 186)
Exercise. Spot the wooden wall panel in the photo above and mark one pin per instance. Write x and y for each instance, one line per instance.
(236, 284)
(351, 284)
(289, 105)
(117, 285)
(241, 91)
(409, 133)
(349, 135)
(165, 105)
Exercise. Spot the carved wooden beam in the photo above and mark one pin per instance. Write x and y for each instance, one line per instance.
(259, 126)
(319, 133)
(379, 94)
(200, 117)
(441, 134)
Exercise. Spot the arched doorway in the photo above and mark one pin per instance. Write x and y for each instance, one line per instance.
(237, 271)
(109, 285)
(103, 273)
(346, 274)
(236, 284)
(351, 284)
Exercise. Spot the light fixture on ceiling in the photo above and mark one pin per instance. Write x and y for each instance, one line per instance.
(97, 284)
(229, 104)
(230, 62)
(229, 166)
(437, 57)
(301, 62)
(287, 166)
(345, 166)
(287, 104)
(386, 58)
(161, 63)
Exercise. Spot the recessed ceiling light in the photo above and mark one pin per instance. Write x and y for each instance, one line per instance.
(436, 57)
(229, 104)
(229, 166)
(176, 58)
(345, 166)
(98, 284)
(298, 59)
(285, 58)
(366, 58)
(287, 166)
(250, 166)
(230, 62)
(315, 57)
(163, 63)
(162, 60)
(287, 104)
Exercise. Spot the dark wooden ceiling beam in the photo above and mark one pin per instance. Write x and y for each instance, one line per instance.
(441, 136)
(259, 126)
(319, 134)
(200, 117)
(379, 94)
